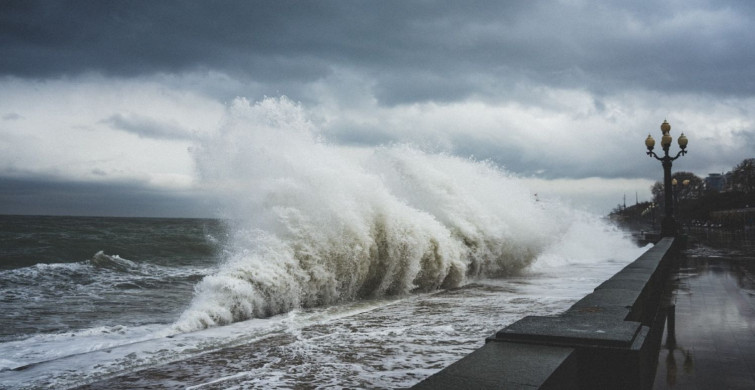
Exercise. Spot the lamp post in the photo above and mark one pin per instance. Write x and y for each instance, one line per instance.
(668, 225)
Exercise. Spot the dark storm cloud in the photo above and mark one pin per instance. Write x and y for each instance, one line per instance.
(48, 196)
(412, 51)
(146, 127)
(44, 39)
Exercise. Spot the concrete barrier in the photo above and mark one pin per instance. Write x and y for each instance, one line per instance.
(607, 340)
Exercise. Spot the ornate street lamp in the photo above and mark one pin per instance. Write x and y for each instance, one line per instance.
(668, 225)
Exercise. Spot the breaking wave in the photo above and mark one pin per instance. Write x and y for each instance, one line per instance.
(316, 224)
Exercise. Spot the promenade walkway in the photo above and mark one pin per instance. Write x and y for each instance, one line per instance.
(714, 322)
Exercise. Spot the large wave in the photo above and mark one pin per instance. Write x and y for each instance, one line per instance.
(315, 223)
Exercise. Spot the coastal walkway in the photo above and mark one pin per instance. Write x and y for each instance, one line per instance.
(709, 341)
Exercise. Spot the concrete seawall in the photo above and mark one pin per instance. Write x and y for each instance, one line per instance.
(607, 340)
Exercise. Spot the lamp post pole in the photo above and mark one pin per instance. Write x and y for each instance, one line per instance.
(668, 225)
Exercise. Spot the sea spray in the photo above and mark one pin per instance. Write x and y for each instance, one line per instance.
(316, 224)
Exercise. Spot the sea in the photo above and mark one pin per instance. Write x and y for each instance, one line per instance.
(84, 299)
(324, 266)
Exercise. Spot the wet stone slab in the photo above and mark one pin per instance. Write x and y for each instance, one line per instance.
(712, 343)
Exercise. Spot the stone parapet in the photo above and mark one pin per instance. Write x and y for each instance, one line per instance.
(608, 339)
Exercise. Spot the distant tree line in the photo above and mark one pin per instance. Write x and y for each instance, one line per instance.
(697, 202)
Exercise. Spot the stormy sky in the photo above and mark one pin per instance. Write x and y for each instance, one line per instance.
(101, 101)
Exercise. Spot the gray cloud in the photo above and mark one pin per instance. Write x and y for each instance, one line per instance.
(413, 51)
(12, 116)
(548, 163)
(146, 127)
(540, 69)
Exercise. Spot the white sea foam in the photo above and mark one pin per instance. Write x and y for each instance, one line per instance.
(588, 240)
(50, 346)
(315, 224)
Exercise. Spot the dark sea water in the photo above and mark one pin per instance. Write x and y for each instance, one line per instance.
(64, 274)
(30, 240)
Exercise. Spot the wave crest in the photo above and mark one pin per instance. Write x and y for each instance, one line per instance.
(114, 262)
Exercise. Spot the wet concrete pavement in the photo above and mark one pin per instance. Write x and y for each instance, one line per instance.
(709, 341)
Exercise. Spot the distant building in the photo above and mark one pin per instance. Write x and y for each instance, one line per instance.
(715, 182)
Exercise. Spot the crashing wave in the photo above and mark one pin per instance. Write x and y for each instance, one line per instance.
(316, 224)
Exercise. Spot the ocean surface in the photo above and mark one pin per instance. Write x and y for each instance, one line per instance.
(83, 299)
(328, 266)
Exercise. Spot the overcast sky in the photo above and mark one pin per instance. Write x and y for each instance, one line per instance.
(101, 101)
